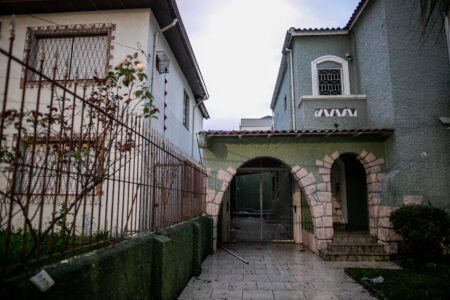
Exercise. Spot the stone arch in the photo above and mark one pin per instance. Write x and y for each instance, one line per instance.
(317, 192)
(321, 212)
(374, 175)
(214, 196)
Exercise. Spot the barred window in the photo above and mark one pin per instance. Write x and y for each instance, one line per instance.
(82, 48)
(330, 76)
(330, 82)
(47, 171)
(186, 110)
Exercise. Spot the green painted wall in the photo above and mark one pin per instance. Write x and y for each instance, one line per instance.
(283, 113)
(406, 78)
(307, 120)
(157, 266)
(304, 151)
(307, 222)
(407, 82)
(312, 47)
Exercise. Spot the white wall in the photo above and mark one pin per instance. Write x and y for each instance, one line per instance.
(176, 85)
(133, 27)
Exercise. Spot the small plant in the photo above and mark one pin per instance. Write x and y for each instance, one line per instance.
(69, 148)
(425, 229)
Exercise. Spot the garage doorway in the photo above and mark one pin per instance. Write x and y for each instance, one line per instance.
(261, 202)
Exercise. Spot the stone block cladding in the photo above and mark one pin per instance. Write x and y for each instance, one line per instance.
(318, 195)
(214, 198)
(319, 198)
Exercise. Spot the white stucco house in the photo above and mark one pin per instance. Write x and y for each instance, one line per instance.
(97, 35)
(90, 38)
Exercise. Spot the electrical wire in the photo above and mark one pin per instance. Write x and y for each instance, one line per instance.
(112, 42)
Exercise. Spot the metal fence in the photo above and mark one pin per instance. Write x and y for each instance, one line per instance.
(80, 166)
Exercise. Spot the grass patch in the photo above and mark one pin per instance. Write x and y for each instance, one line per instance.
(432, 283)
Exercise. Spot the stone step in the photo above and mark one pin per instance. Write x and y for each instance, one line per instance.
(337, 256)
(354, 238)
(354, 248)
(339, 227)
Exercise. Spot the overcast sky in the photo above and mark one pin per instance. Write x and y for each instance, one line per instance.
(238, 43)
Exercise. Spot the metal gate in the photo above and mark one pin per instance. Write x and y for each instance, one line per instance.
(262, 206)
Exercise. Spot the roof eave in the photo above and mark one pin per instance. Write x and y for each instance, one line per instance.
(319, 32)
(164, 10)
(356, 14)
(204, 111)
(281, 70)
(383, 132)
(198, 85)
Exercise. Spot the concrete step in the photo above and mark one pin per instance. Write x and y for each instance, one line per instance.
(342, 238)
(355, 248)
(337, 256)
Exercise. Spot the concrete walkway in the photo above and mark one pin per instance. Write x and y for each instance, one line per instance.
(276, 271)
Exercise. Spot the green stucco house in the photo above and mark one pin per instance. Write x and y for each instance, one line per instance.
(360, 122)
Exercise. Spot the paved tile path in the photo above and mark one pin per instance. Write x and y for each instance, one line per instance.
(275, 271)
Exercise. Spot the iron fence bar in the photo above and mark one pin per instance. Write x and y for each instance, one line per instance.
(170, 191)
(55, 82)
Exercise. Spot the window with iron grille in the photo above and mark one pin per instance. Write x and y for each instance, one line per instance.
(84, 49)
(330, 82)
(47, 171)
(186, 110)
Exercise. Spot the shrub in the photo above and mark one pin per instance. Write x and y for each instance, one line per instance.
(424, 229)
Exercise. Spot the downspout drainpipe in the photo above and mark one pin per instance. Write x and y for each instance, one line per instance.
(291, 75)
(155, 39)
(146, 214)
(193, 124)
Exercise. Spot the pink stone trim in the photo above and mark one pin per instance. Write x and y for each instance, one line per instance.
(231, 170)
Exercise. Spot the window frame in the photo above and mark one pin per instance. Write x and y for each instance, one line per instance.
(69, 31)
(345, 77)
(186, 110)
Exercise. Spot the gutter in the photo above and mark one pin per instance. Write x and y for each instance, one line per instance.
(193, 125)
(291, 75)
(155, 39)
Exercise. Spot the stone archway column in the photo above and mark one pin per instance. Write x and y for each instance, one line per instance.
(379, 224)
(318, 196)
(214, 197)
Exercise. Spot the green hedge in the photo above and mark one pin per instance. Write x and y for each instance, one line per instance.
(424, 230)
(157, 266)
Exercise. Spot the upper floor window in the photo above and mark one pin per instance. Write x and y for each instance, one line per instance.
(330, 82)
(330, 76)
(186, 110)
(84, 49)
